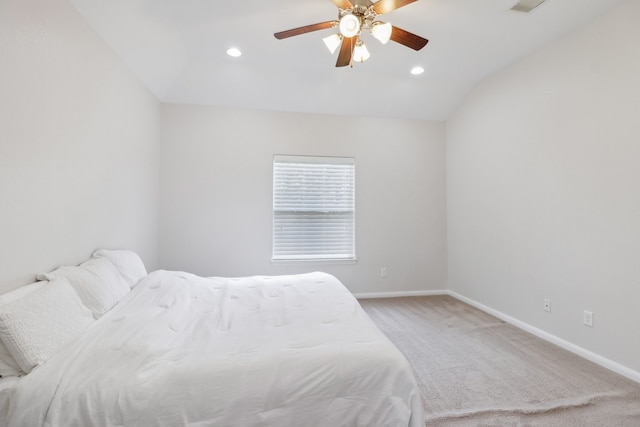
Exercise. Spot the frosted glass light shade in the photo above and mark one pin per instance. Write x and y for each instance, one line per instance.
(349, 25)
(332, 42)
(360, 52)
(382, 32)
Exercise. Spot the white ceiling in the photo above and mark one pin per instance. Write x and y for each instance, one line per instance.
(177, 48)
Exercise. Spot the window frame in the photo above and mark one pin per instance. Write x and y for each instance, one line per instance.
(313, 258)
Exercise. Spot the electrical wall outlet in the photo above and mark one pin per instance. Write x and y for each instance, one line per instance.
(547, 305)
(383, 272)
(588, 318)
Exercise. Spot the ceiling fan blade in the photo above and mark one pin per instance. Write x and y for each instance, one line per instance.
(346, 51)
(303, 30)
(384, 6)
(408, 39)
(343, 4)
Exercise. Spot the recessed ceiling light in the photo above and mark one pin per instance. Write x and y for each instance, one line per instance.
(235, 52)
(417, 71)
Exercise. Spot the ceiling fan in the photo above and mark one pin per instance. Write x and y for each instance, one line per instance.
(353, 17)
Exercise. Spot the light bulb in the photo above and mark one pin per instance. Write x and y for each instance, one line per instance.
(349, 25)
(235, 52)
(382, 31)
(332, 42)
(360, 53)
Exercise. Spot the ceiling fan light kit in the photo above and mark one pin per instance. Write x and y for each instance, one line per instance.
(360, 52)
(381, 31)
(332, 42)
(353, 18)
(349, 25)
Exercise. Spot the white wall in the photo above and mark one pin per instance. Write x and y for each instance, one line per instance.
(542, 177)
(78, 144)
(543, 182)
(216, 193)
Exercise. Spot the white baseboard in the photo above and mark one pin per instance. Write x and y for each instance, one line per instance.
(400, 294)
(596, 358)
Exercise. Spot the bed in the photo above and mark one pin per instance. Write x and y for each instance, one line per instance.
(179, 349)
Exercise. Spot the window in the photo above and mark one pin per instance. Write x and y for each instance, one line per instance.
(313, 208)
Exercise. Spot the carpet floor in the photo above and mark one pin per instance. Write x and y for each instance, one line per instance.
(476, 370)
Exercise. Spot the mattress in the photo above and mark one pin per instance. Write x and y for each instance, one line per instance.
(256, 351)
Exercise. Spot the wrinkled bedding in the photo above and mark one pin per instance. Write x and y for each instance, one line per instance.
(257, 351)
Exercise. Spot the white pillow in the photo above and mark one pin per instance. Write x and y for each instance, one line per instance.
(8, 365)
(96, 281)
(40, 324)
(127, 262)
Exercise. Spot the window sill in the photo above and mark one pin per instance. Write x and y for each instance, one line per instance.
(315, 261)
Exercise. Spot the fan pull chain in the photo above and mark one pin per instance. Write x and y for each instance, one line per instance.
(351, 59)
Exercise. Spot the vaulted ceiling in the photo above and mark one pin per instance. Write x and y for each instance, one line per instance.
(178, 49)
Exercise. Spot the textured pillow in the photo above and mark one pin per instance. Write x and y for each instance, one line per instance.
(40, 324)
(96, 281)
(8, 365)
(127, 262)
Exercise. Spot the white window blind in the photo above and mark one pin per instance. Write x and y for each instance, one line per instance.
(313, 208)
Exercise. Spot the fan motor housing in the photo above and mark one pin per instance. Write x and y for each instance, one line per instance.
(363, 10)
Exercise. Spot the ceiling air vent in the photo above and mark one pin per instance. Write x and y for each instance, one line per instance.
(527, 5)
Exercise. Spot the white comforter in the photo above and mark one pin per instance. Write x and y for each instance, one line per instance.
(258, 351)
